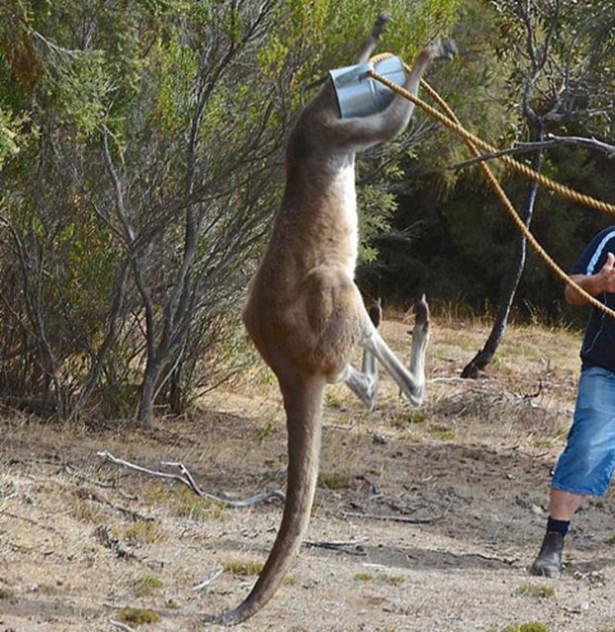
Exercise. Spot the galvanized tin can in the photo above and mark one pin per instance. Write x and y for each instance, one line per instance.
(360, 95)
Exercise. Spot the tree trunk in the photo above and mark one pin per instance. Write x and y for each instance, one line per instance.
(148, 393)
(511, 282)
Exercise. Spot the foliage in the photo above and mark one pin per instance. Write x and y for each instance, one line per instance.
(140, 148)
(138, 616)
(141, 152)
(461, 243)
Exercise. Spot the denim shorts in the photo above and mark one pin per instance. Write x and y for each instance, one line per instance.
(586, 464)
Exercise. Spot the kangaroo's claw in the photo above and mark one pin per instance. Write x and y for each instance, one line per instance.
(380, 25)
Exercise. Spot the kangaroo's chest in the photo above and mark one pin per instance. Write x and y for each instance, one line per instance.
(347, 215)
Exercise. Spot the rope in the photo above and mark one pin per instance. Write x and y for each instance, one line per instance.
(473, 142)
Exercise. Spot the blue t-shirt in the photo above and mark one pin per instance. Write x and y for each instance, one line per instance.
(599, 341)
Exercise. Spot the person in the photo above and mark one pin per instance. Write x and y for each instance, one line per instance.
(586, 465)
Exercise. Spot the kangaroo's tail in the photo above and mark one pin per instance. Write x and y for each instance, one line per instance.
(302, 402)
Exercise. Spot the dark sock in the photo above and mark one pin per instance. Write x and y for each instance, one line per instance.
(559, 526)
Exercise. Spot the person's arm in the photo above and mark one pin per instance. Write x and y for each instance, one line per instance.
(593, 284)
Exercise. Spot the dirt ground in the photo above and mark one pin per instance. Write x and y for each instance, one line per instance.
(439, 510)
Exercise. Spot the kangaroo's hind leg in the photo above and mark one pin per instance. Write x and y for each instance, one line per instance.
(364, 383)
(411, 381)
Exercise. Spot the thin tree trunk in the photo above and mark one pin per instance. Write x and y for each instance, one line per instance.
(511, 282)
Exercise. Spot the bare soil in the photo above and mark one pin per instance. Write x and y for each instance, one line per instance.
(81, 539)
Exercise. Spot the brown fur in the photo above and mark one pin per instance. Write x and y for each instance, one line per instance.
(304, 312)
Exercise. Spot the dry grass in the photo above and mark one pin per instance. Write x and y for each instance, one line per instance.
(473, 463)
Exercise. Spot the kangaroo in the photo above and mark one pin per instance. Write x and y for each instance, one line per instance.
(304, 312)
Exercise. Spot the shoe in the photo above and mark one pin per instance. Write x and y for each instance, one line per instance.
(549, 560)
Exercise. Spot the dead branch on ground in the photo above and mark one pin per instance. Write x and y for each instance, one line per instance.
(121, 626)
(109, 541)
(352, 547)
(187, 479)
(211, 577)
(406, 519)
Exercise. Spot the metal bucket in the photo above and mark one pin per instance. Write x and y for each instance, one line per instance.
(360, 95)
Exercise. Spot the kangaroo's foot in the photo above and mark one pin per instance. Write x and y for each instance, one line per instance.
(363, 384)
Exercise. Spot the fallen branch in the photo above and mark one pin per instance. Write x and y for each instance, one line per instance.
(121, 626)
(187, 479)
(106, 538)
(355, 546)
(490, 558)
(406, 519)
(340, 426)
(209, 579)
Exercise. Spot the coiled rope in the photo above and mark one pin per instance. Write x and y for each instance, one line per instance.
(473, 142)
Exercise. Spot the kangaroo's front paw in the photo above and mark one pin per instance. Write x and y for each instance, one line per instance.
(448, 49)
(380, 25)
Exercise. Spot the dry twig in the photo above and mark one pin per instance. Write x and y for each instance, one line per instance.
(121, 626)
(106, 538)
(211, 577)
(352, 547)
(187, 479)
(406, 519)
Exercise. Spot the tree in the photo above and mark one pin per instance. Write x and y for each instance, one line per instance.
(143, 149)
(556, 51)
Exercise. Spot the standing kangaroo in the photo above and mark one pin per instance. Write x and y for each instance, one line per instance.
(304, 311)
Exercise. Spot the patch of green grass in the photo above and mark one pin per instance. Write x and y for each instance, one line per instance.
(363, 577)
(244, 569)
(441, 432)
(561, 432)
(405, 419)
(138, 616)
(6, 594)
(291, 580)
(143, 532)
(146, 585)
(333, 481)
(611, 539)
(265, 375)
(414, 417)
(332, 400)
(264, 431)
(531, 626)
(189, 505)
(395, 580)
(535, 590)
(543, 443)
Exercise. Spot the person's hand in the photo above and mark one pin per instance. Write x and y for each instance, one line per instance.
(607, 274)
